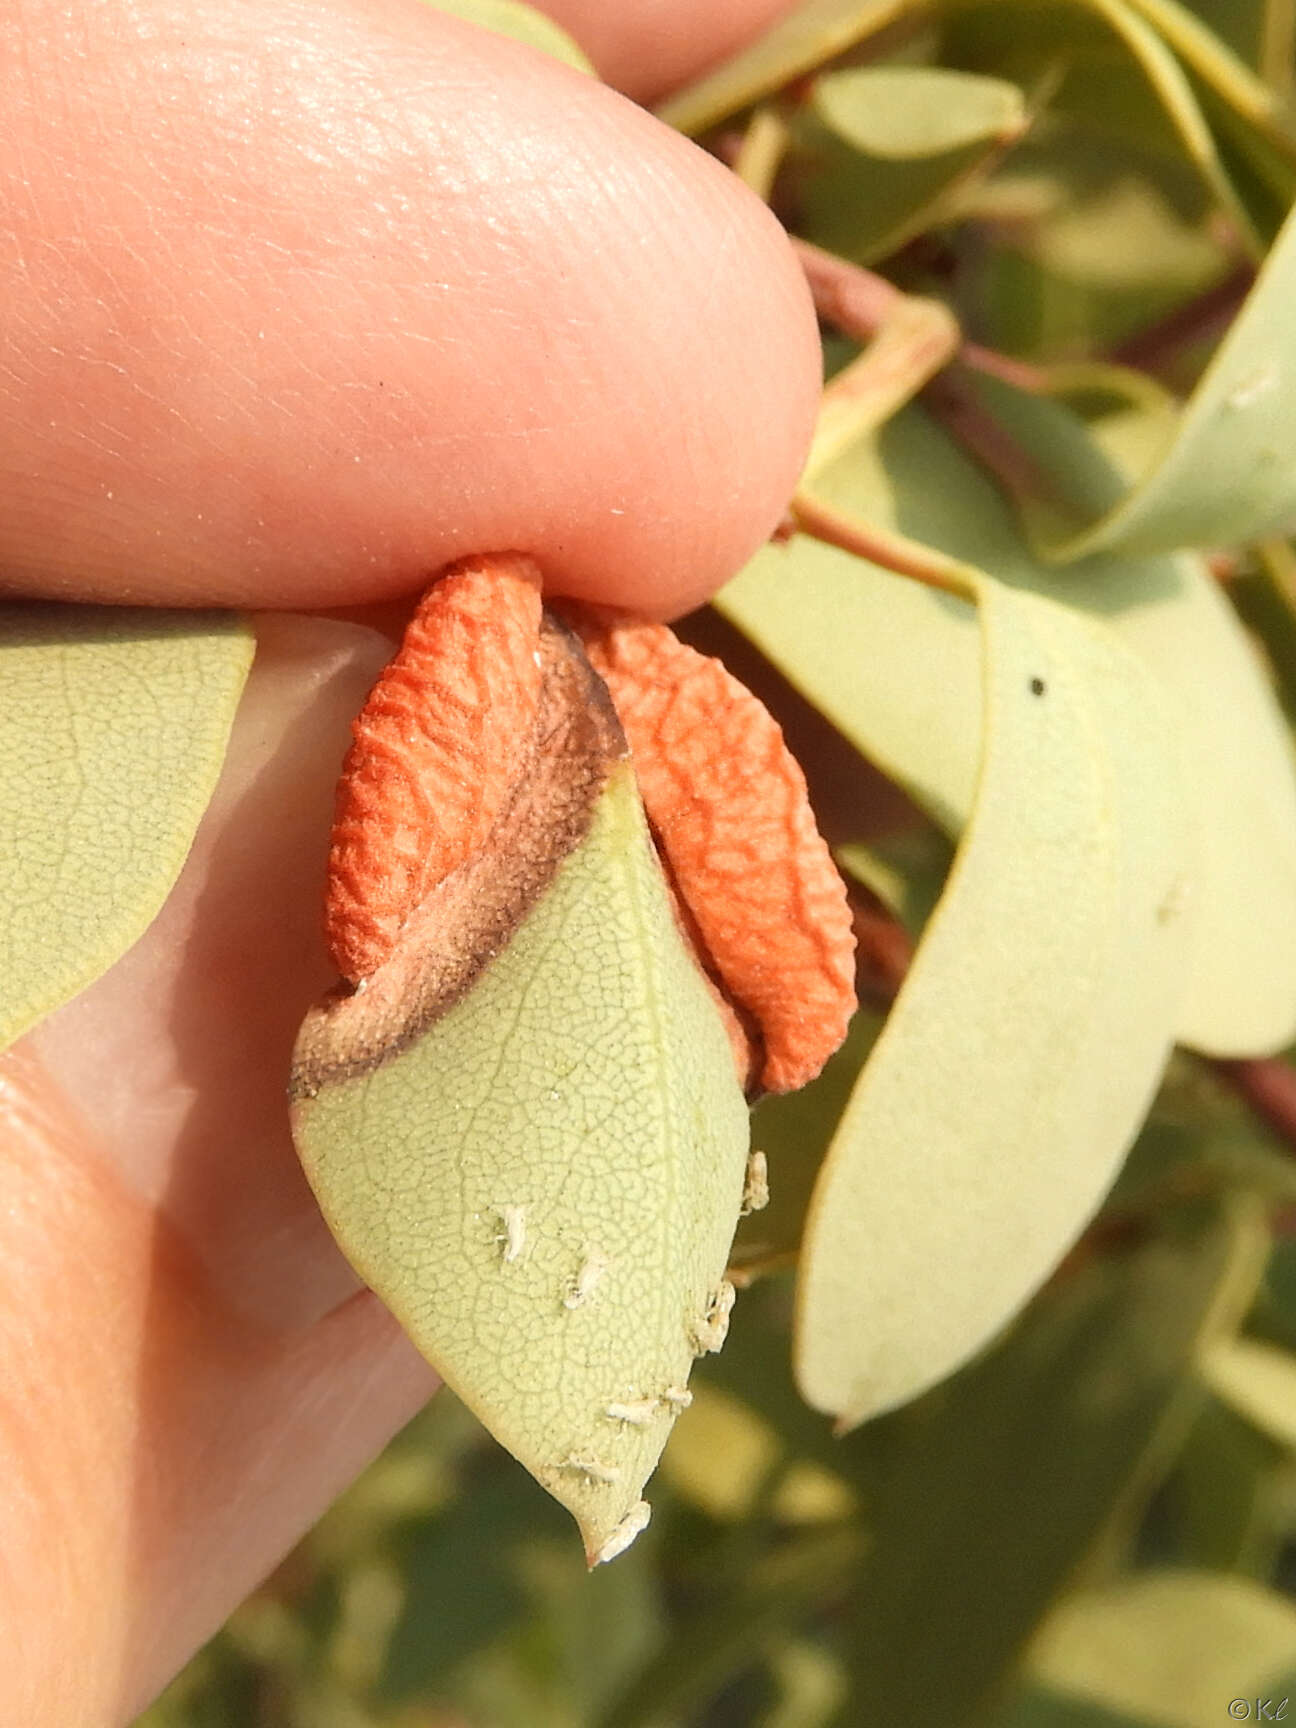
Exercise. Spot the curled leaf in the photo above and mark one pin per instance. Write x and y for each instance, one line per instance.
(527, 1133)
(1227, 473)
(895, 667)
(1031, 1030)
(113, 727)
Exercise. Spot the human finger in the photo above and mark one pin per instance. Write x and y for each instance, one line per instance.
(303, 303)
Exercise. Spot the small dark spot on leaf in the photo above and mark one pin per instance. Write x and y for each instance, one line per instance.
(1037, 686)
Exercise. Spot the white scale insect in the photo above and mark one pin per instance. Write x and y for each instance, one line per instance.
(588, 1278)
(513, 1236)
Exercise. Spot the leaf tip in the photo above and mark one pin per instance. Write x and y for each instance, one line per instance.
(620, 1537)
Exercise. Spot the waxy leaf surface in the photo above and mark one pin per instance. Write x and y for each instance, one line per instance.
(1228, 474)
(901, 113)
(528, 1135)
(1170, 1648)
(896, 668)
(890, 148)
(1029, 1035)
(113, 726)
(793, 45)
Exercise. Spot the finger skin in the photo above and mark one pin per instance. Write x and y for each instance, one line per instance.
(647, 47)
(122, 1554)
(301, 303)
(190, 1371)
(308, 300)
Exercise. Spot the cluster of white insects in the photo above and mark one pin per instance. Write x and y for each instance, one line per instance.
(706, 1332)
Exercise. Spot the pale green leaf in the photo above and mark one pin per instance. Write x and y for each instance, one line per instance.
(543, 1185)
(1168, 1648)
(1225, 1495)
(113, 726)
(1242, 993)
(1029, 1036)
(793, 45)
(1229, 472)
(1019, 34)
(892, 664)
(1258, 1380)
(1129, 415)
(867, 206)
(895, 667)
(900, 112)
(982, 1498)
(520, 22)
(811, 1684)
(794, 1130)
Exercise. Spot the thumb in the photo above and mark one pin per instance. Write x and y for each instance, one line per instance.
(304, 302)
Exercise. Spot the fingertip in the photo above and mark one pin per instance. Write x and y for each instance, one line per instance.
(647, 47)
(429, 294)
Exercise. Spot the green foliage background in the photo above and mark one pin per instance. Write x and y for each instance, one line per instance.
(1094, 1523)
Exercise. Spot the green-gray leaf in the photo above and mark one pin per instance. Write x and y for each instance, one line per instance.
(1168, 1648)
(795, 44)
(1029, 1036)
(895, 667)
(900, 113)
(1258, 1380)
(890, 149)
(1228, 473)
(113, 727)
(540, 1167)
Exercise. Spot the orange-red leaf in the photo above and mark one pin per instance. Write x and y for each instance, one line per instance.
(437, 748)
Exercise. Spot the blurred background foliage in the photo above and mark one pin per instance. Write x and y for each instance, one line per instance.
(1093, 1525)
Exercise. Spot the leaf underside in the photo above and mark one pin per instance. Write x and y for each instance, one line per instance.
(113, 728)
(1031, 1030)
(896, 668)
(540, 1172)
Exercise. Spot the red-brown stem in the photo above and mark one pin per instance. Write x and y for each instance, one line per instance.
(1269, 1086)
(1156, 348)
(892, 551)
(883, 950)
(994, 447)
(857, 301)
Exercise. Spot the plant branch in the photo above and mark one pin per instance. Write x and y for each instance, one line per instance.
(983, 437)
(914, 342)
(858, 301)
(758, 158)
(1269, 1086)
(1156, 348)
(892, 551)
